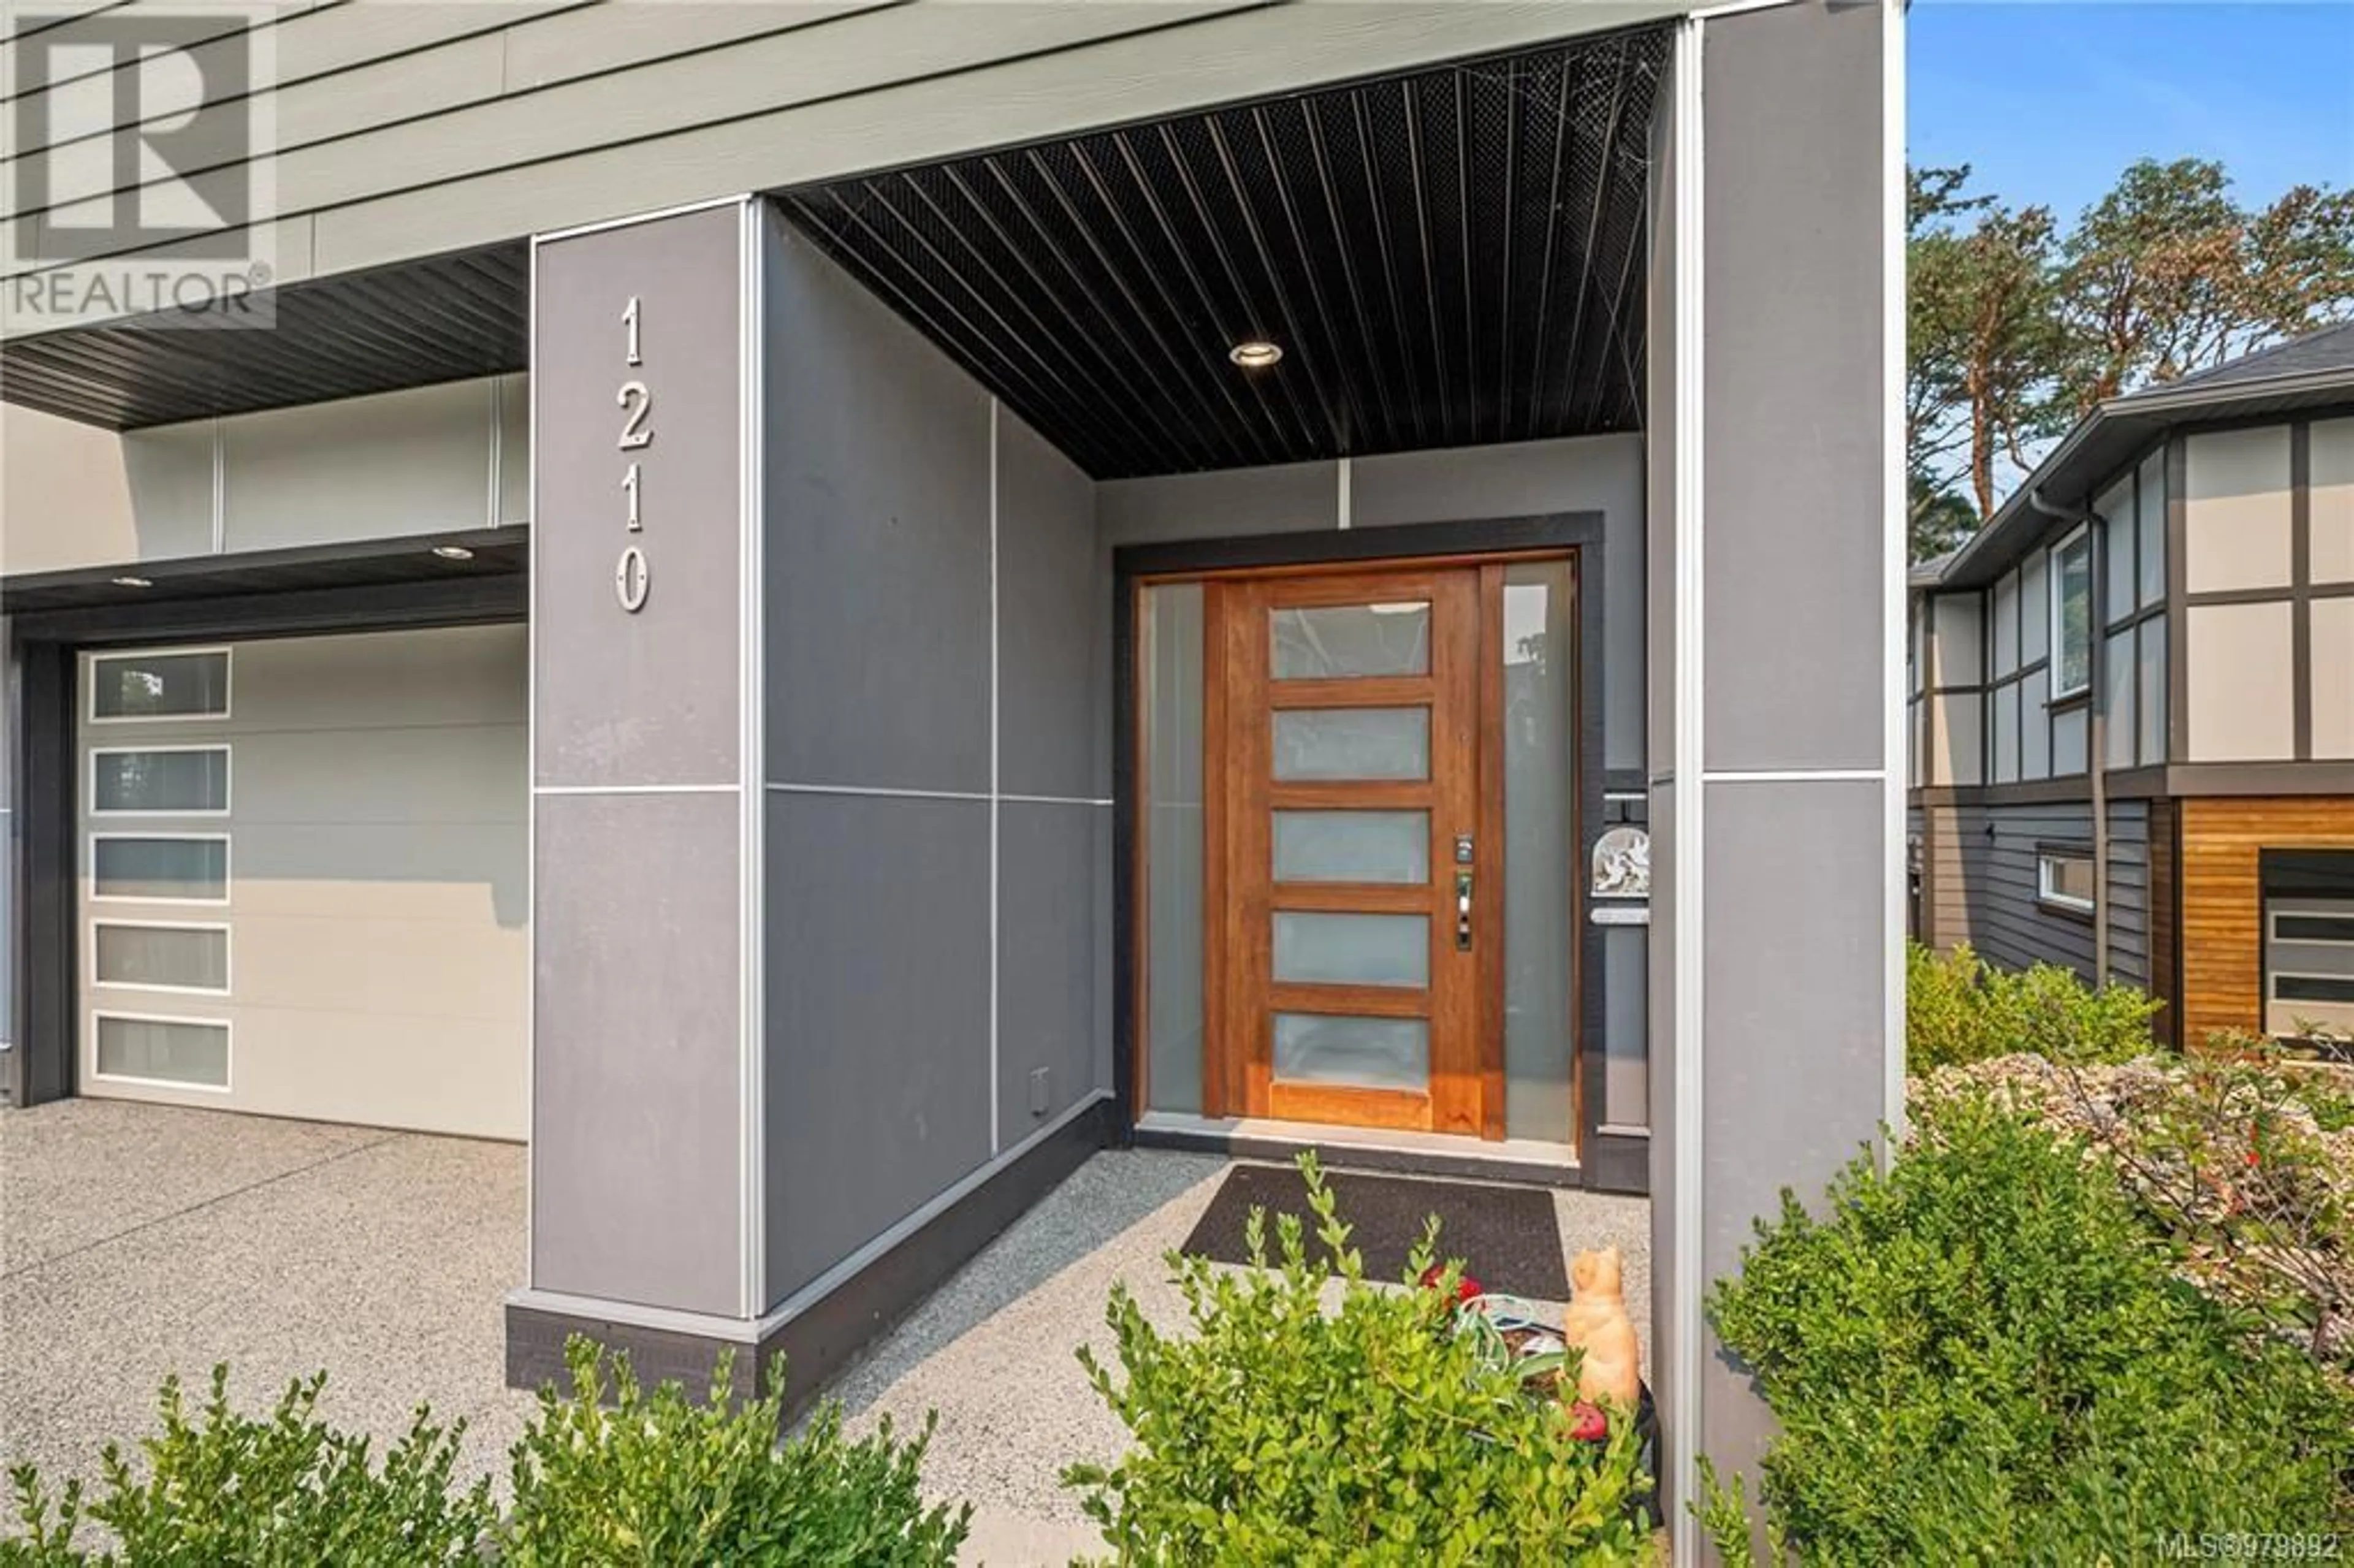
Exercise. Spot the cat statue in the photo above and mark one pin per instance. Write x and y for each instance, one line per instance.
(1596, 1323)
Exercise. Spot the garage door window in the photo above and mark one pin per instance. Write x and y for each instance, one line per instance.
(160, 870)
(177, 1053)
(160, 956)
(179, 780)
(184, 683)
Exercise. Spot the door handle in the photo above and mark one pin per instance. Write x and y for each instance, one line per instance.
(1462, 911)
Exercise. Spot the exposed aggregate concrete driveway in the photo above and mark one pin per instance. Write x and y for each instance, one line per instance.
(138, 1240)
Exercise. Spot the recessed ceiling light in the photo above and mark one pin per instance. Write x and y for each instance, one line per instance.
(454, 552)
(1257, 354)
(134, 582)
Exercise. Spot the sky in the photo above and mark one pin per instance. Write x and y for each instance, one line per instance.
(2049, 101)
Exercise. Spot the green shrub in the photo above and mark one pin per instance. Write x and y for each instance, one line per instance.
(286, 1492)
(1374, 1434)
(1981, 1356)
(2228, 1158)
(611, 1475)
(1958, 1009)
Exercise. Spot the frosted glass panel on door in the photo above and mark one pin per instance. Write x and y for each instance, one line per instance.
(1335, 642)
(1352, 743)
(1541, 948)
(160, 780)
(1362, 1052)
(1352, 847)
(1171, 717)
(1353, 949)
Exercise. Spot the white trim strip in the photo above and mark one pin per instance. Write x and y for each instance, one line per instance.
(633, 220)
(497, 477)
(531, 800)
(636, 789)
(1737, 8)
(886, 792)
(891, 793)
(752, 880)
(1896, 747)
(1344, 503)
(220, 488)
(1686, 888)
(1795, 776)
(996, 745)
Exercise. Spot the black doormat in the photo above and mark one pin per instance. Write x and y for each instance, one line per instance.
(1508, 1237)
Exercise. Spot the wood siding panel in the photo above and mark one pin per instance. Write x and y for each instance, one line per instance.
(2221, 896)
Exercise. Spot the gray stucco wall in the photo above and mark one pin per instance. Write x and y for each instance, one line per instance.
(1787, 796)
(1662, 750)
(638, 1119)
(938, 768)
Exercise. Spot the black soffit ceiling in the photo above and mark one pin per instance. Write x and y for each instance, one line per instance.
(1447, 258)
(443, 319)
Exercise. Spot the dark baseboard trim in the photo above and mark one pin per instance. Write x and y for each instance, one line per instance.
(1470, 1167)
(825, 1338)
(1618, 1162)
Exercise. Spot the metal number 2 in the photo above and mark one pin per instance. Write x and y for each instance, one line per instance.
(639, 405)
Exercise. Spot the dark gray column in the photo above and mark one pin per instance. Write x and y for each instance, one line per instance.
(1777, 719)
(643, 1153)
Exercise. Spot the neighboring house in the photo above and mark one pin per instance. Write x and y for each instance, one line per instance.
(818, 611)
(2132, 704)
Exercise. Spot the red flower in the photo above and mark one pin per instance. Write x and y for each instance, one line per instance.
(1588, 1424)
(1466, 1289)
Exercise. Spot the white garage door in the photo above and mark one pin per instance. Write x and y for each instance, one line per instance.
(305, 867)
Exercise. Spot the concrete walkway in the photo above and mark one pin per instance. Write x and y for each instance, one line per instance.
(993, 1351)
(138, 1240)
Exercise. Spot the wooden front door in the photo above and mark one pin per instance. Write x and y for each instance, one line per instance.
(1352, 951)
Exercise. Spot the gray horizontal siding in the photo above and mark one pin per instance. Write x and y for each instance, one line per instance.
(2129, 920)
(2009, 925)
(412, 130)
(1984, 881)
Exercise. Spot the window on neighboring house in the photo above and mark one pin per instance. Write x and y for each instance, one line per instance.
(2063, 879)
(2072, 615)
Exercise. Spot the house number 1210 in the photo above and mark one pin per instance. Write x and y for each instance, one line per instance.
(632, 578)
